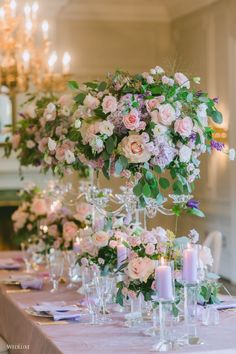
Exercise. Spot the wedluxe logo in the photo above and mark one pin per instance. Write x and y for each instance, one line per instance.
(18, 346)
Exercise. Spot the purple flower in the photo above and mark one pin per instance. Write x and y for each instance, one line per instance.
(216, 100)
(217, 145)
(193, 203)
(193, 137)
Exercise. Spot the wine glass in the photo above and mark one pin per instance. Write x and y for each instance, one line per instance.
(56, 267)
(27, 255)
(104, 287)
(70, 259)
(92, 302)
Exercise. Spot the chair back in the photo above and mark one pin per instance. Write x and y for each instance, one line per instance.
(214, 242)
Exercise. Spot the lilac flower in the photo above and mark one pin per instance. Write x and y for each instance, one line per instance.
(163, 151)
(192, 137)
(216, 100)
(217, 145)
(192, 203)
(193, 235)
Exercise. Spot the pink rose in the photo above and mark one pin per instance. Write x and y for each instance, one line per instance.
(150, 249)
(39, 206)
(141, 268)
(15, 140)
(66, 100)
(184, 126)
(83, 211)
(113, 244)
(70, 230)
(154, 103)
(134, 148)
(50, 112)
(109, 104)
(91, 102)
(19, 218)
(43, 144)
(60, 153)
(52, 230)
(182, 80)
(165, 114)
(87, 246)
(131, 120)
(100, 239)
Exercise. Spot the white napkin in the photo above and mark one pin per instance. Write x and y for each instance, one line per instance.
(58, 310)
(8, 264)
(226, 305)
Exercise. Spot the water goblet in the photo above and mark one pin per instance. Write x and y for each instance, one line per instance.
(27, 256)
(70, 259)
(104, 287)
(56, 267)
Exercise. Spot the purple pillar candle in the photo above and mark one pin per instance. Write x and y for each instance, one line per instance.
(190, 260)
(164, 281)
(121, 254)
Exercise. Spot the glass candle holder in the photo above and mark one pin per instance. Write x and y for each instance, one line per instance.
(165, 297)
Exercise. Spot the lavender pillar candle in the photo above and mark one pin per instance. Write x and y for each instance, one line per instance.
(121, 254)
(76, 245)
(190, 260)
(164, 281)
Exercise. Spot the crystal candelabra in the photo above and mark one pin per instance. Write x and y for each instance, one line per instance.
(26, 55)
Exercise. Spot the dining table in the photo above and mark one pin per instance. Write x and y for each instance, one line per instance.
(25, 333)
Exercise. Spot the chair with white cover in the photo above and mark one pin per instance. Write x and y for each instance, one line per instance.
(3, 346)
(214, 242)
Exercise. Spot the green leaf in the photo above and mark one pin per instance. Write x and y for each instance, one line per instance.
(79, 99)
(177, 210)
(217, 117)
(110, 145)
(124, 161)
(73, 85)
(102, 86)
(157, 169)
(195, 211)
(159, 198)
(119, 297)
(138, 189)
(189, 97)
(146, 190)
(149, 176)
(156, 90)
(118, 167)
(164, 183)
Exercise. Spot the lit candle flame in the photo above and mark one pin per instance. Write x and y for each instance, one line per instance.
(66, 63)
(162, 261)
(13, 8)
(27, 10)
(52, 61)
(26, 59)
(2, 13)
(45, 28)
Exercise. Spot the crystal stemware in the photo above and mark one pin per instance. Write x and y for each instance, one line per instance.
(56, 267)
(104, 287)
(27, 254)
(70, 260)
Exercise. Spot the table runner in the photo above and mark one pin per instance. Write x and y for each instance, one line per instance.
(18, 328)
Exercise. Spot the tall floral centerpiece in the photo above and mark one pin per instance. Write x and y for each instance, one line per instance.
(40, 138)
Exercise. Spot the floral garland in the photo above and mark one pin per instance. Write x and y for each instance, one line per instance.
(33, 208)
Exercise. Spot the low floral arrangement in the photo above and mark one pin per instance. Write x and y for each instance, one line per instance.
(146, 247)
(40, 136)
(99, 249)
(33, 208)
(60, 228)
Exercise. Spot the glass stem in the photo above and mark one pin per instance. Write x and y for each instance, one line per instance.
(190, 309)
(55, 284)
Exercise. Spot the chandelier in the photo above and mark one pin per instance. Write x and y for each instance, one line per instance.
(26, 58)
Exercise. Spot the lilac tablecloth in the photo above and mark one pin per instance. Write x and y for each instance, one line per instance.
(18, 328)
